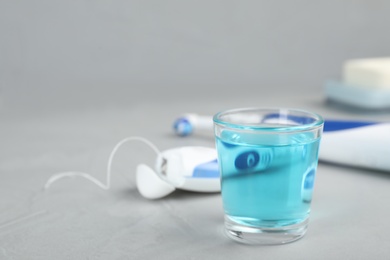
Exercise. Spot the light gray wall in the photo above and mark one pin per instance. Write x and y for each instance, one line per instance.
(125, 50)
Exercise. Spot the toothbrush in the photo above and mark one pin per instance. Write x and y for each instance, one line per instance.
(355, 143)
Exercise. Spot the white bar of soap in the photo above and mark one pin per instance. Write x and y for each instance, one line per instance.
(367, 73)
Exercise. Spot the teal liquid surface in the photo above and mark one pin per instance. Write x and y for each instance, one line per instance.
(267, 185)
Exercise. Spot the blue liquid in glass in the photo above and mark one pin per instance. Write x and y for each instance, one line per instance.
(267, 185)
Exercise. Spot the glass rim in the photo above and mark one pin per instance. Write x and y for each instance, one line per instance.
(318, 120)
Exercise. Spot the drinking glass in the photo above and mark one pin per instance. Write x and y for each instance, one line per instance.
(268, 160)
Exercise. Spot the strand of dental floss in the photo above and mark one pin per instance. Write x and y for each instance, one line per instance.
(89, 177)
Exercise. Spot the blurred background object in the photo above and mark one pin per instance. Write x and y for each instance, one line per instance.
(365, 83)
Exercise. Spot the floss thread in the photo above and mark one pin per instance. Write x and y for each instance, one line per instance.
(89, 177)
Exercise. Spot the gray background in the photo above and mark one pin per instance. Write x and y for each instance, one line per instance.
(127, 51)
(78, 76)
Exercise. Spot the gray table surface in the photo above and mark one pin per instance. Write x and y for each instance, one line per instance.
(75, 219)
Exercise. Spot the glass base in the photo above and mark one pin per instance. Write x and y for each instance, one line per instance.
(265, 235)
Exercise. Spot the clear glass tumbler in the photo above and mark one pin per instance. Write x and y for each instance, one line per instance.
(268, 160)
